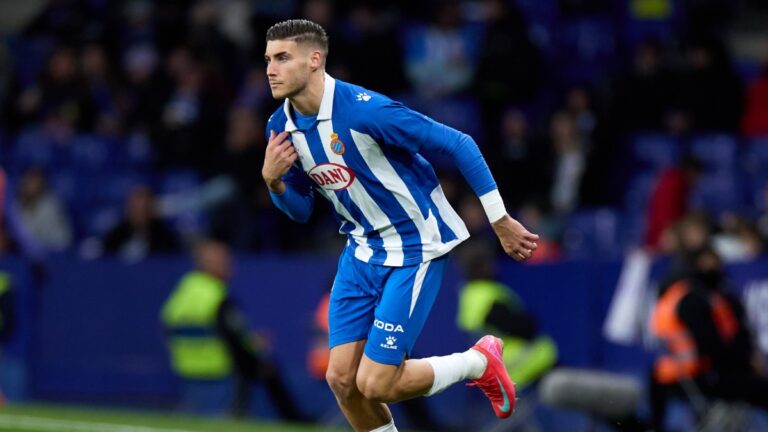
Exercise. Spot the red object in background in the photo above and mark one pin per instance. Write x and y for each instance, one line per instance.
(755, 120)
(668, 203)
(319, 355)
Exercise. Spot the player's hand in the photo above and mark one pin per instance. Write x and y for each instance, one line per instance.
(518, 242)
(279, 157)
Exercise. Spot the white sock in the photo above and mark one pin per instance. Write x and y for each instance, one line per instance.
(389, 427)
(453, 368)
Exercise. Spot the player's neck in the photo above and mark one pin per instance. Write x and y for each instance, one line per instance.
(307, 102)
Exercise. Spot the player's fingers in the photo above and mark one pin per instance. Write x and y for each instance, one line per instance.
(529, 245)
(276, 140)
(292, 158)
(530, 236)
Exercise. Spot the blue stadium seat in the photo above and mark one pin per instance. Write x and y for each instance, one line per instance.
(592, 234)
(654, 151)
(756, 156)
(717, 192)
(90, 152)
(638, 192)
(29, 57)
(718, 152)
(34, 148)
(587, 49)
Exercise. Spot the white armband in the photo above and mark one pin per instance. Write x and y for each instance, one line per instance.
(493, 205)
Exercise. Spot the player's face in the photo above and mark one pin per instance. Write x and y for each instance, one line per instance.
(288, 67)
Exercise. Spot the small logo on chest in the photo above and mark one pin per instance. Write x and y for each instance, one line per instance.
(331, 176)
(336, 145)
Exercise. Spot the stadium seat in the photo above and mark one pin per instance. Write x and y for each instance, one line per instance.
(89, 152)
(718, 192)
(591, 234)
(33, 148)
(587, 49)
(638, 191)
(654, 151)
(718, 152)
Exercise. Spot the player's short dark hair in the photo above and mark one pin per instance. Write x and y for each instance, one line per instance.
(300, 31)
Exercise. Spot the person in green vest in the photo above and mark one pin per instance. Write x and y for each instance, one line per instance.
(210, 345)
(487, 306)
(6, 315)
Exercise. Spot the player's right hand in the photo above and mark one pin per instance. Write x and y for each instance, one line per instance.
(279, 157)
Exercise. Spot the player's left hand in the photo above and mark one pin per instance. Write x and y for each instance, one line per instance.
(518, 242)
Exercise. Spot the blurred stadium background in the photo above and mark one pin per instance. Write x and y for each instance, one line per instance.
(588, 111)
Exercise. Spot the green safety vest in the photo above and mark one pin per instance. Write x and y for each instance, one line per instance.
(197, 351)
(477, 299)
(526, 360)
(5, 286)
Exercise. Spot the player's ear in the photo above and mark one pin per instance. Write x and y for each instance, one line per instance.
(316, 60)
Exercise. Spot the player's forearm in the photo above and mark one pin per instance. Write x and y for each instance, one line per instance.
(297, 206)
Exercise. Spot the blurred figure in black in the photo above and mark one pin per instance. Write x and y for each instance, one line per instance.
(709, 346)
(141, 232)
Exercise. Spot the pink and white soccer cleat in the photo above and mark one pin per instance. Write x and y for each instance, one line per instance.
(495, 382)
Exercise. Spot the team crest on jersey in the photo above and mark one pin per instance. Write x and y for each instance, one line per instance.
(331, 176)
(336, 145)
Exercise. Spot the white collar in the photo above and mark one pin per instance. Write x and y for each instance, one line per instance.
(326, 105)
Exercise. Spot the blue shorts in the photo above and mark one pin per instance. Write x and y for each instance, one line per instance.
(386, 305)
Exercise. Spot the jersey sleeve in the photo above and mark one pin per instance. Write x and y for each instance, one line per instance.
(298, 199)
(392, 123)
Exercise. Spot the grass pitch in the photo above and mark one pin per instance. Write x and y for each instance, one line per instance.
(63, 418)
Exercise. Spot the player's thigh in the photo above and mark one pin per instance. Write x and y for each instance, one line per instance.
(406, 301)
(351, 306)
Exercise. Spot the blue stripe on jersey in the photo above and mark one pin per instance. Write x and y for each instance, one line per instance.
(404, 164)
(400, 219)
(374, 238)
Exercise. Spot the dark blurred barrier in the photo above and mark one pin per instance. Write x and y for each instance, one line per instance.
(90, 331)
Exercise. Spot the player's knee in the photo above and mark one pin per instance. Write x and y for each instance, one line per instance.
(342, 383)
(375, 388)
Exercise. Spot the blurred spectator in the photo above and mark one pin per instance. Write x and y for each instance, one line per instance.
(508, 68)
(440, 57)
(519, 160)
(578, 104)
(146, 89)
(140, 232)
(42, 216)
(710, 348)
(668, 202)
(755, 119)
(489, 307)
(372, 51)
(569, 163)
(59, 97)
(240, 220)
(709, 90)
(191, 120)
(102, 87)
(762, 220)
(643, 95)
(739, 239)
(210, 342)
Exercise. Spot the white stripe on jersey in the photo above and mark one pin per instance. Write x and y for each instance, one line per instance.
(362, 252)
(392, 242)
(448, 214)
(369, 149)
(417, 284)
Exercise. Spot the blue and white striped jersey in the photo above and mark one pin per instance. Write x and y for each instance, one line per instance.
(361, 154)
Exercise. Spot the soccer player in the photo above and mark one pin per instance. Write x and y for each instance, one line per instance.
(360, 150)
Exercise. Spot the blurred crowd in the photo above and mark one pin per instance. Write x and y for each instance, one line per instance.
(133, 127)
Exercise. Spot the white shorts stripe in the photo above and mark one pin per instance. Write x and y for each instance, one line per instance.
(418, 282)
